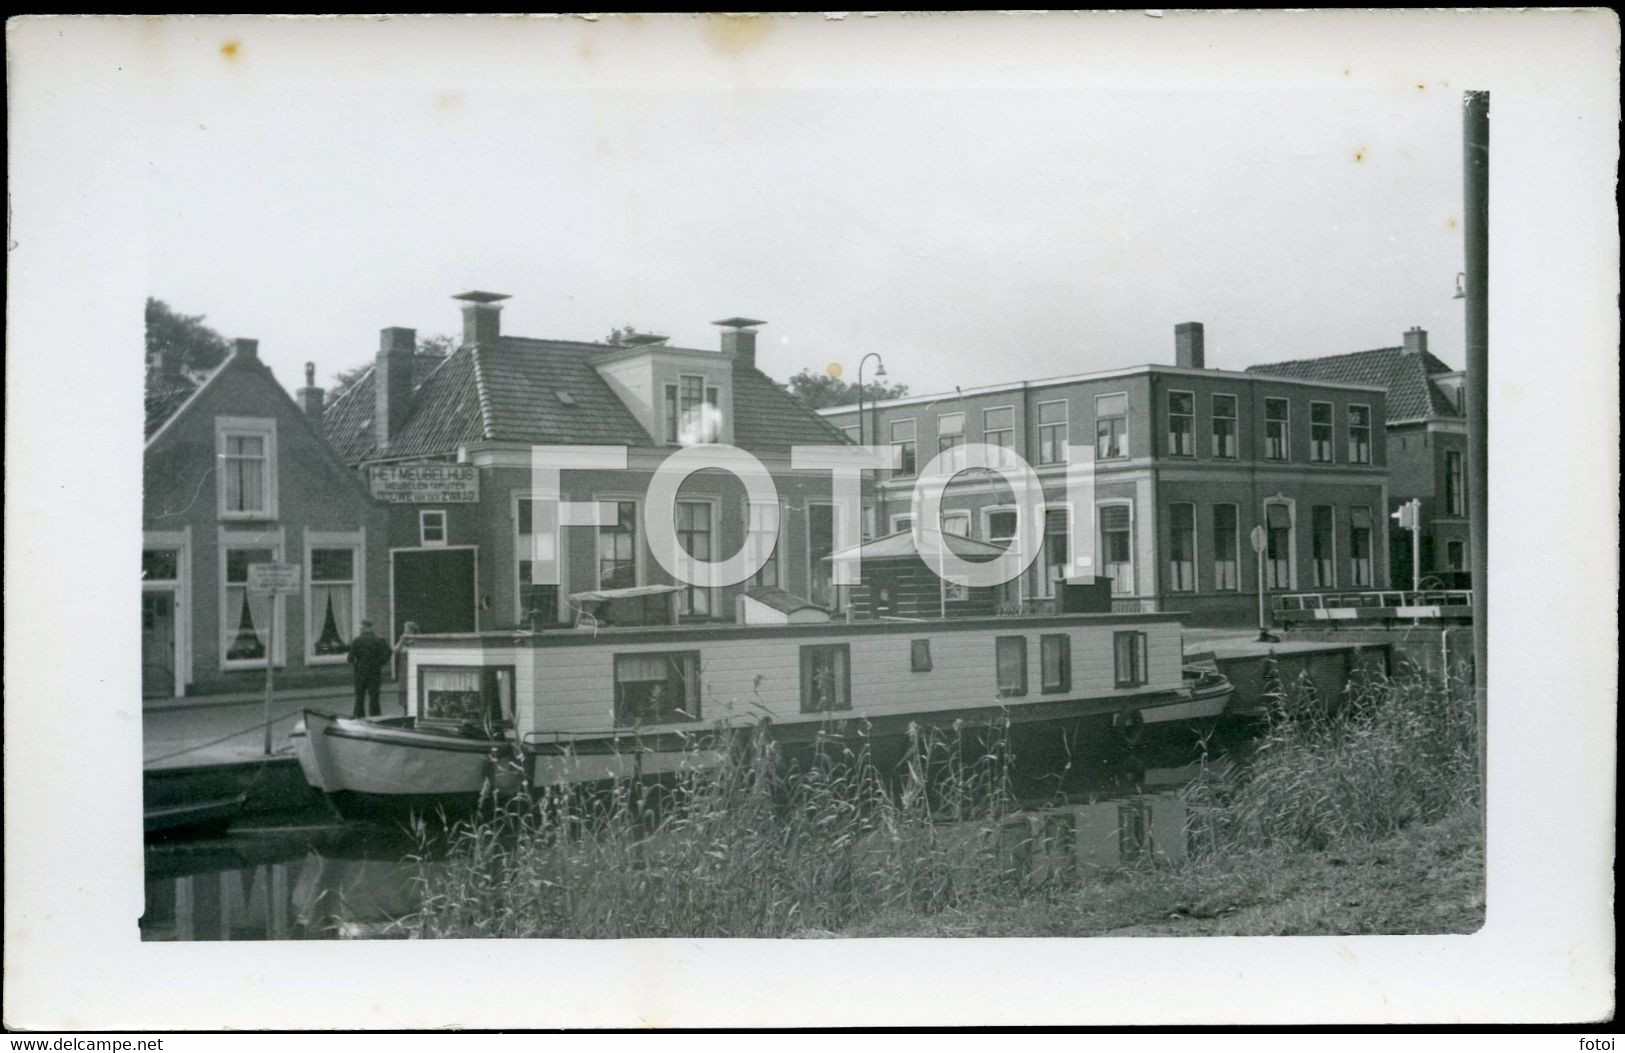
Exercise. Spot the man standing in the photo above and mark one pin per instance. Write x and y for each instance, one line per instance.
(367, 658)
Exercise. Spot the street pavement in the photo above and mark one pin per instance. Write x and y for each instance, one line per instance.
(213, 732)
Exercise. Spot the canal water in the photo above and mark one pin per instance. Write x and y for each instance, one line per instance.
(325, 879)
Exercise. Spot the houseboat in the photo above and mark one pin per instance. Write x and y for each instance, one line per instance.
(616, 697)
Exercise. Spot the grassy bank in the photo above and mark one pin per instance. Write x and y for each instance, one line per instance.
(1356, 819)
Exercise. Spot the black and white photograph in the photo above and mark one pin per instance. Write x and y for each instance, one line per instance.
(681, 498)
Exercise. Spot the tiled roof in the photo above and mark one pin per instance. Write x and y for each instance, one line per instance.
(508, 390)
(163, 400)
(1408, 378)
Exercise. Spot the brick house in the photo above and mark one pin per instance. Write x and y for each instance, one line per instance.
(236, 472)
(459, 556)
(1188, 461)
(1427, 447)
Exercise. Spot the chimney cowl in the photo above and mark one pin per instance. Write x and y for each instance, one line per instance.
(1189, 349)
(739, 338)
(482, 315)
(311, 397)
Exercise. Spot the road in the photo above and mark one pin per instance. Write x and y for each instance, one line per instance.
(214, 732)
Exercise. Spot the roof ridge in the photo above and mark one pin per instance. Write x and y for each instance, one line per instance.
(481, 392)
(1324, 358)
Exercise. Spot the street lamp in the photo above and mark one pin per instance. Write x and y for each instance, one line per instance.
(1461, 291)
(880, 372)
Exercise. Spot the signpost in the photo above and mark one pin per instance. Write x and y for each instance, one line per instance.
(1409, 517)
(273, 580)
(1260, 540)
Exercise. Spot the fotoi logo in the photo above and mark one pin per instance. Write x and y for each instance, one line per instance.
(845, 465)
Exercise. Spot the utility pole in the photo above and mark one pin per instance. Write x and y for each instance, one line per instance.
(1475, 128)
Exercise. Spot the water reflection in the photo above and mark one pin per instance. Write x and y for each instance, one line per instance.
(1116, 808)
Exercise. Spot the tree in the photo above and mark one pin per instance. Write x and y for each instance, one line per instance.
(437, 346)
(180, 348)
(819, 390)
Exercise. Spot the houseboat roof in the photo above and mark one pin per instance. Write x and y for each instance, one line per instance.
(901, 545)
(637, 592)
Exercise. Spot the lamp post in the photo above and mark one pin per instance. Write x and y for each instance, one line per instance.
(880, 372)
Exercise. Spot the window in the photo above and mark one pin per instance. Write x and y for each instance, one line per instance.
(901, 523)
(1320, 432)
(692, 413)
(1001, 526)
(1053, 563)
(1055, 663)
(1322, 547)
(1359, 434)
(247, 614)
(902, 440)
(950, 438)
(1129, 659)
(330, 618)
(531, 599)
(482, 696)
(1052, 432)
(1226, 547)
(1011, 661)
(694, 535)
(1455, 554)
(160, 564)
(1360, 547)
(820, 544)
(1181, 424)
(1117, 547)
(1277, 423)
(657, 687)
(1278, 546)
(956, 523)
(671, 413)
(999, 430)
(1182, 548)
(1455, 483)
(762, 543)
(826, 678)
(618, 548)
(245, 450)
(1224, 426)
(1111, 426)
(919, 656)
(432, 528)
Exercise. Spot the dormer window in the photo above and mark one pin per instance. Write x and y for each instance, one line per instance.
(693, 413)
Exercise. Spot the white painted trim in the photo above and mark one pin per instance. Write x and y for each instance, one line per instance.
(638, 566)
(1196, 550)
(1331, 443)
(1127, 433)
(1370, 434)
(265, 428)
(1235, 555)
(423, 528)
(1264, 432)
(1335, 576)
(356, 541)
(1013, 430)
(1234, 418)
(715, 502)
(1371, 548)
(229, 539)
(778, 543)
(1292, 542)
(181, 586)
(1168, 412)
(1040, 588)
(1039, 424)
(521, 551)
(1100, 544)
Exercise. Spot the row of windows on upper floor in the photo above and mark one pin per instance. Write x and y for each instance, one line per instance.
(1112, 431)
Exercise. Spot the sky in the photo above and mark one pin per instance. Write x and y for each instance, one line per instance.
(968, 234)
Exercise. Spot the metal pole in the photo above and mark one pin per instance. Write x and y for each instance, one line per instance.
(1476, 236)
(270, 672)
(1263, 625)
(1416, 557)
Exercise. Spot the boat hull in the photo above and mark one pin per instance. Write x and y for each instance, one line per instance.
(1204, 703)
(368, 768)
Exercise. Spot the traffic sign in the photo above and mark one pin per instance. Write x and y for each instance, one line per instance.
(1260, 540)
(275, 579)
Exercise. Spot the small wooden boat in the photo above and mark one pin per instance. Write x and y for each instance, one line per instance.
(1209, 693)
(192, 816)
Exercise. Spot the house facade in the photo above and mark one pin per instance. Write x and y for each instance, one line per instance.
(1188, 460)
(1426, 449)
(447, 443)
(237, 473)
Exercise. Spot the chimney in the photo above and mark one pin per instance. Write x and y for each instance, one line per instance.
(739, 339)
(482, 315)
(1416, 340)
(1189, 352)
(245, 347)
(310, 396)
(392, 382)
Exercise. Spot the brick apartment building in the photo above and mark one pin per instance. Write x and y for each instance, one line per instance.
(447, 441)
(1188, 461)
(236, 473)
(1426, 446)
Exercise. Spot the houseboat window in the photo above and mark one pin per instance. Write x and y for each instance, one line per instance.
(432, 527)
(1052, 432)
(248, 614)
(1111, 426)
(1226, 547)
(1359, 434)
(763, 543)
(160, 564)
(826, 678)
(1278, 551)
(1455, 483)
(1320, 432)
(657, 688)
(1011, 661)
(330, 619)
(1181, 424)
(694, 534)
(902, 440)
(1052, 558)
(1055, 663)
(1182, 547)
(1360, 546)
(618, 548)
(1129, 658)
(482, 696)
(1224, 426)
(1117, 547)
(1322, 547)
(950, 439)
(1277, 421)
(999, 430)
(920, 656)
